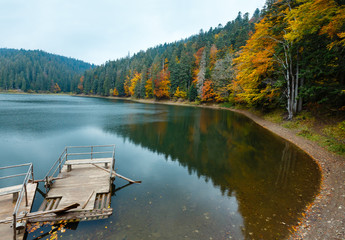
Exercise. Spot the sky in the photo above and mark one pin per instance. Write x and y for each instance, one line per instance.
(98, 31)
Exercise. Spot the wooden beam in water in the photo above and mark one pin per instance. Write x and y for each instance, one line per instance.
(116, 174)
(127, 179)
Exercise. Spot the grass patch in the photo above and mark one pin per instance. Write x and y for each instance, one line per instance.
(330, 136)
(306, 133)
(196, 102)
(335, 137)
(337, 148)
(303, 123)
(291, 124)
(226, 105)
(275, 116)
(336, 131)
(329, 142)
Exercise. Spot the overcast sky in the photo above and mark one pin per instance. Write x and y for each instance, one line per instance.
(101, 30)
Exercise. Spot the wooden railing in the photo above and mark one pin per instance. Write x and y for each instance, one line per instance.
(71, 153)
(22, 190)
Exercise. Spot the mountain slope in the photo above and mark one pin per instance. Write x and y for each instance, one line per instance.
(35, 70)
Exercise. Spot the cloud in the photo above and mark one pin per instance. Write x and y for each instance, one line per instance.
(97, 31)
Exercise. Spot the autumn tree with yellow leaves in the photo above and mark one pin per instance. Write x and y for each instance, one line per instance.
(134, 81)
(276, 59)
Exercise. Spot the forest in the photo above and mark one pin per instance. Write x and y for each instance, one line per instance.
(289, 55)
(38, 71)
(197, 68)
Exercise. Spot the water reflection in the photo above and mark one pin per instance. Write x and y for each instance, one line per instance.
(206, 173)
(287, 165)
(271, 179)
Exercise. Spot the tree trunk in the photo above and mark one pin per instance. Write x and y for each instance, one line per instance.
(288, 82)
(292, 80)
(296, 86)
(300, 100)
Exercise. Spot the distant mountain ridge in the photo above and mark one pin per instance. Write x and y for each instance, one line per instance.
(39, 71)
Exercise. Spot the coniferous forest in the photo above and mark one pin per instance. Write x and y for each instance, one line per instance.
(290, 54)
(38, 71)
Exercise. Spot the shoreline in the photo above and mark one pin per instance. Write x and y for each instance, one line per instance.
(324, 217)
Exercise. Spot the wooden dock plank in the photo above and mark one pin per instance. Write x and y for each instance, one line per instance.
(74, 215)
(75, 186)
(6, 210)
(56, 204)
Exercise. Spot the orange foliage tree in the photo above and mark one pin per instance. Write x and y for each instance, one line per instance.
(80, 84)
(56, 88)
(162, 83)
(208, 94)
(213, 56)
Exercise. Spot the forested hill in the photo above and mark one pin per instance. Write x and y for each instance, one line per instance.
(169, 69)
(38, 71)
(290, 55)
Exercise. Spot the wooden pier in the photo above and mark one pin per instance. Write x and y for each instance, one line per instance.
(78, 188)
(80, 181)
(15, 202)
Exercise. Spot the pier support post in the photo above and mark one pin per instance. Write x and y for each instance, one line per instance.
(14, 227)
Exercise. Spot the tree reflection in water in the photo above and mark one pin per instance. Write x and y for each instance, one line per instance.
(271, 179)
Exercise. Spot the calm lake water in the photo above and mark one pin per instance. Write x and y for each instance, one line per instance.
(207, 174)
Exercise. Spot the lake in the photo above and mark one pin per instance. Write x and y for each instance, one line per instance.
(206, 174)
